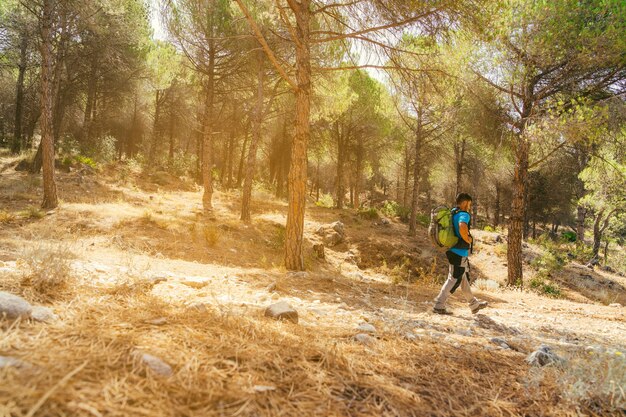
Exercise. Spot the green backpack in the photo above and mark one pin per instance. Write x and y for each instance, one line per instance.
(441, 228)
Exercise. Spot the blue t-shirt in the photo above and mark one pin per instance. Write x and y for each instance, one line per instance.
(461, 217)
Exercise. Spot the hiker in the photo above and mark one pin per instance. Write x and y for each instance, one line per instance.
(458, 275)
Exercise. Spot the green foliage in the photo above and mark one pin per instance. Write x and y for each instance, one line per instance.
(393, 209)
(541, 284)
(368, 213)
(326, 200)
(489, 229)
(500, 249)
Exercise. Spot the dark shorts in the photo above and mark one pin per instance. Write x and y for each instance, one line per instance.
(456, 261)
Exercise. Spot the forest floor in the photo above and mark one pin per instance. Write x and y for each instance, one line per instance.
(129, 266)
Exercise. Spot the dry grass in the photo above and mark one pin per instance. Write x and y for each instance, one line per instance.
(219, 357)
(6, 217)
(47, 271)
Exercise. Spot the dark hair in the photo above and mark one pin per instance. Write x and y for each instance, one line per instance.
(461, 197)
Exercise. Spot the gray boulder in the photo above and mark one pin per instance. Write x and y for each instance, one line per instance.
(12, 306)
(282, 311)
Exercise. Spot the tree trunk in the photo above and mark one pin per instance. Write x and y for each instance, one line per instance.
(155, 128)
(581, 213)
(170, 154)
(207, 151)
(606, 252)
(416, 177)
(256, 138)
(231, 149)
(50, 200)
(91, 99)
(16, 146)
(407, 173)
(598, 231)
(357, 173)
(242, 158)
(294, 230)
(516, 220)
(341, 156)
(459, 156)
(496, 216)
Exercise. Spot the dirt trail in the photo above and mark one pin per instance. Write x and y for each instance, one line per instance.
(132, 241)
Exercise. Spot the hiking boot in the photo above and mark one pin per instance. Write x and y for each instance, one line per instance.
(442, 311)
(479, 306)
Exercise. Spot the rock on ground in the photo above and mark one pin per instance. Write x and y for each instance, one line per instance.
(544, 356)
(43, 314)
(10, 362)
(364, 338)
(13, 306)
(332, 234)
(157, 365)
(282, 311)
(366, 328)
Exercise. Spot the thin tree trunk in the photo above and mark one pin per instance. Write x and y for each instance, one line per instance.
(340, 187)
(598, 231)
(207, 151)
(581, 213)
(170, 155)
(256, 138)
(294, 231)
(357, 174)
(16, 146)
(407, 173)
(459, 155)
(155, 127)
(496, 216)
(50, 200)
(416, 177)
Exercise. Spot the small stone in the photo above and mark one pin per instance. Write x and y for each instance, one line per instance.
(500, 342)
(263, 388)
(157, 280)
(158, 321)
(366, 327)
(544, 356)
(385, 221)
(410, 336)
(194, 283)
(364, 338)
(282, 311)
(299, 274)
(617, 305)
(13, 306)
(465, 332)
(198, 307)
(43, 314)
(271, 287)
(10, 362)
(157, 365)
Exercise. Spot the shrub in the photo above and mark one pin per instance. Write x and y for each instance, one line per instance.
(368, 213)
(500, 249)
(489, 229)
(48, 269)
(326, 200)
(6, 217)
(33, 212)
(541, 284)
(211, 235)
(393, 209)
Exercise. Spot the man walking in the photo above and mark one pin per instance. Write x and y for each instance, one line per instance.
(458, 275)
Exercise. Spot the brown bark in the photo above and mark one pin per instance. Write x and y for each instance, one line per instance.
(256, 138)
(50, 200)
(598, 231)
(357, 172)
(207, 151)
(496, 216)
(459, 156)
(416, 177)
(516, 220)
(155, 126)
(294, 231)
(341, 157)
(407, 174)
(19, 99)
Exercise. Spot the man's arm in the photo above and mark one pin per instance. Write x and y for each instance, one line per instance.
(464, 232)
